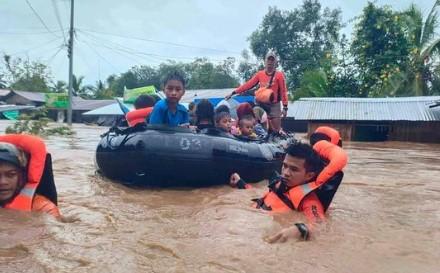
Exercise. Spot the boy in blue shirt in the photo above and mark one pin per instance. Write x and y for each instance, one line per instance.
(168, 111)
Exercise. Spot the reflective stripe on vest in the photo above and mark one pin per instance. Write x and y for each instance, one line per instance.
(36, 148)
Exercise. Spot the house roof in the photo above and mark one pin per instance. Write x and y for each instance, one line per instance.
(32, 96)
(9, 107)
(80, 104)
(190, 95)
(4, 92)
(365, 109)
(109, 110)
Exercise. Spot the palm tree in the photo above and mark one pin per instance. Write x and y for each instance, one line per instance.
(79, 89)
(2, 82)
(426, 45)
(100, 91)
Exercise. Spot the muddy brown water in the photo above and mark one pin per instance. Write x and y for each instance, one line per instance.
(385, 218)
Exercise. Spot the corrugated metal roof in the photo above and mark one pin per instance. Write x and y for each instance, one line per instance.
(32, 96)
(80, 104)
(108, 110)
(4, 92)
(366, 109)
(190, 95)
(10, 107)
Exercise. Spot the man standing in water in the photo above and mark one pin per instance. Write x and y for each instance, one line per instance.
(271, 82)
(300, 166)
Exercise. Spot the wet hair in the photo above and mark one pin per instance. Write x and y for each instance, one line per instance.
(315, 137)
(205, 111)
(175, 75)
(246, 118)
(144, 101)
(222, 108)
(312, 161)
(221, 115)
(244, 109)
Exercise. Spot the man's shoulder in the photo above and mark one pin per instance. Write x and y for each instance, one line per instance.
(279, 74)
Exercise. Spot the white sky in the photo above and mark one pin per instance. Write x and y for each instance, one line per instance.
(207, 28)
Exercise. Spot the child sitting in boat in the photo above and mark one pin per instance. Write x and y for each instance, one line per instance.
(246, 127)
(262, 123)
(169, 111)
(204, 114)
(143, 106)
(223, 121)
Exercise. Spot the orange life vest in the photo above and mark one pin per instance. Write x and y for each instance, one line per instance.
(37, 150)
(333, 134)
(277, 201)
(138, 116)
(336, 159)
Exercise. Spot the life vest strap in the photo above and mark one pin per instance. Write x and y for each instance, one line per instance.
(260, 204)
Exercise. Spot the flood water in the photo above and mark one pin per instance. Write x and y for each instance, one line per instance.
(384, 218)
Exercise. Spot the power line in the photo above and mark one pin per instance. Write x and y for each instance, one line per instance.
(99, 55)
(162, 42)
(57, 14)
(36, 47)
(40, 19)
(119, 48)
(125, 54)
(48, 62)
(27, 33)
(136, 52)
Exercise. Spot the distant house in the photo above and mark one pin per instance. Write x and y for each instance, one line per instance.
(370, 119)
(191, 95)
(104, 116)
(25, 98)
(79, 105)
(3, 94)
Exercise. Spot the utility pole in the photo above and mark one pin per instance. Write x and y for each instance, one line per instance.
(70, 55)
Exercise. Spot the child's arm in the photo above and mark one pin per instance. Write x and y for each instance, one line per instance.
(336, 157)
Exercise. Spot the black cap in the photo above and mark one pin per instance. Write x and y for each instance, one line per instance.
(11, 154)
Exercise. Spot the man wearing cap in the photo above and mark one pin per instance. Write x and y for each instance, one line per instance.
(24, 164)
(270, 80)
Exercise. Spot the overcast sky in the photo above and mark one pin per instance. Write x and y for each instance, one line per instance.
(114, 35)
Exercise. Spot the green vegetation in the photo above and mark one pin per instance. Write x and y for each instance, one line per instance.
(37, 123)
(390, 53)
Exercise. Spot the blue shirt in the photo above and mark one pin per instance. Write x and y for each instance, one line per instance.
(162, 115)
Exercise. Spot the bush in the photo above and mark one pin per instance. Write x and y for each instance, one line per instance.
(37, 123)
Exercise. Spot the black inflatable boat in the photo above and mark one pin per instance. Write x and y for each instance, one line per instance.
(163, 157)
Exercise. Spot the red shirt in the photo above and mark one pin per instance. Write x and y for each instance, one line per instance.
(278, 84)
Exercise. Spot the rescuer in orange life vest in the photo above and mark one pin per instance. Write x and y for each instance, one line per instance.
(26, 179)
(304, 184)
